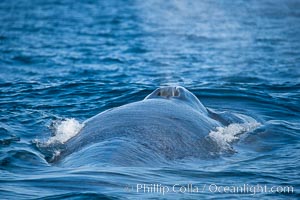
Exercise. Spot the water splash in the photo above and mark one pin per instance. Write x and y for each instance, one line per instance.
(65, 130)
(225, 136)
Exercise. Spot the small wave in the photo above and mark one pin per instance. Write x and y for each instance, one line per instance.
(224, 136)
(65, 130)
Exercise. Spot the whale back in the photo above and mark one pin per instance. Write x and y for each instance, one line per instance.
(170, 129)
(169, 124)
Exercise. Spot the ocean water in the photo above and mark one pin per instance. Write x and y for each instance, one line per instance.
(62, 62)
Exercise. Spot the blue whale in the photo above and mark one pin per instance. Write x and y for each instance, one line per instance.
(169, 124)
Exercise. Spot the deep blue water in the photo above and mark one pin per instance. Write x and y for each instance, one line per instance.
(73, 59)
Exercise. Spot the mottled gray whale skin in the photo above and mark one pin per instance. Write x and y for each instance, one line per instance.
(170, 123)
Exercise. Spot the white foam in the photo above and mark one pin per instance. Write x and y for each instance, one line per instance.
(64, 130)
(224, 136)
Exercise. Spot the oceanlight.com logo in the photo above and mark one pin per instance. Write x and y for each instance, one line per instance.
(208, 188)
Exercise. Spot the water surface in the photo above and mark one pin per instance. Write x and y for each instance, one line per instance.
(73, 59)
